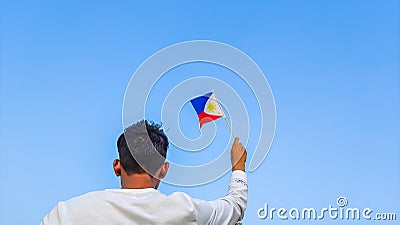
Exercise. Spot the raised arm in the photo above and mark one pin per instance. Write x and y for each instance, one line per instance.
(231, 208)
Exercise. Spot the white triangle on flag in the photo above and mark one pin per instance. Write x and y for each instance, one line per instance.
(213, 107)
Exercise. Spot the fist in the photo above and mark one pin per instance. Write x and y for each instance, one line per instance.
(238, 155)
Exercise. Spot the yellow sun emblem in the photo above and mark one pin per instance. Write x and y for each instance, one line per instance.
(211, 107)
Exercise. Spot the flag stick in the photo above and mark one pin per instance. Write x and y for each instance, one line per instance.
(226, 120)
(230, 128)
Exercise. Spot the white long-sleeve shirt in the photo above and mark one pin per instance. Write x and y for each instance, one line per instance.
(149, 206)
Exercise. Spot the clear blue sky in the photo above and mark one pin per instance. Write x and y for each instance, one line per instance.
(333, 67)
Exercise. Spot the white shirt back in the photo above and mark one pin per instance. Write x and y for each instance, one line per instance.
(149, 206)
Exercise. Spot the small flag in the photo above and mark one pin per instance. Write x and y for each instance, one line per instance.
(207, 108)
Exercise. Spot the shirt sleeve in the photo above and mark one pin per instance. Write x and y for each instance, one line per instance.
(226, 210)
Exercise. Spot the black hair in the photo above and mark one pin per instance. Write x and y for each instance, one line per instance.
(134, 145)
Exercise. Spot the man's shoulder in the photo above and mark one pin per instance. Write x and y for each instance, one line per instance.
(180, 196)
(89, 196)
(111, 193)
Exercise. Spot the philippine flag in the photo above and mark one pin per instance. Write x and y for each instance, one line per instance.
(207, 108)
